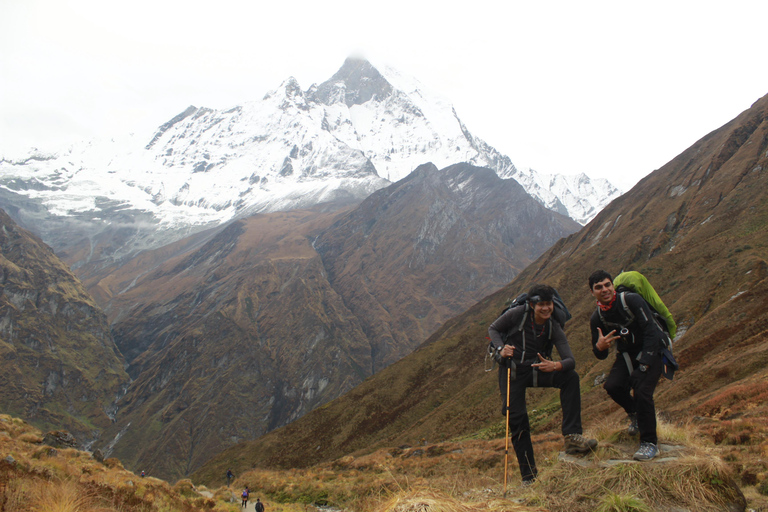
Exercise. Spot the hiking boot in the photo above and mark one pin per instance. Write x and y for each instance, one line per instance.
(577, 443)
(647, 451)
(633, 429)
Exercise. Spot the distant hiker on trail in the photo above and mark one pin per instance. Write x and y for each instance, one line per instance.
(525, 361)
(245, 497)
(259, 506)
(638, 365)
(230, 476)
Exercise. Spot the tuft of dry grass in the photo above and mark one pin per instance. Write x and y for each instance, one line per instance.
(63, 496)
(694, 482)
(30, 437)
(622, 503)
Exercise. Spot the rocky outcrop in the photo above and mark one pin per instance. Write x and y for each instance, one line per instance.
(60, 439)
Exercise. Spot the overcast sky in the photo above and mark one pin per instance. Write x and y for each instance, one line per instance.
(612, 89)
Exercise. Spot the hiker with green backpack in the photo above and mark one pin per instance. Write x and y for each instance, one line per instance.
(522, 339)
(641, 336)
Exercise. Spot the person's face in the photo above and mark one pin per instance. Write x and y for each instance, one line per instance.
(603, 291)
(542, 310)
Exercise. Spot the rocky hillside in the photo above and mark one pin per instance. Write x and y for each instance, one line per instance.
(233, 335)
(58, 363)
(697, 227)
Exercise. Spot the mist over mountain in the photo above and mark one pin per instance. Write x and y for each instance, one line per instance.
(102, 201)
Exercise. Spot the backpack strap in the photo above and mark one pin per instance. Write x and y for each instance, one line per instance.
(630, 317)
(630, 314)
(547, 352)
(628, 360)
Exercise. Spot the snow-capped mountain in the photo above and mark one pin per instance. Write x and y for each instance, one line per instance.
(577, 195)
(340, 140)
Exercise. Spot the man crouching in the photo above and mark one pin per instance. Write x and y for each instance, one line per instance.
(638, 365)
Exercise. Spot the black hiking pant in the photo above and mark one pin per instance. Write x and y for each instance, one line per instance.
(634, 392)
(519, 427)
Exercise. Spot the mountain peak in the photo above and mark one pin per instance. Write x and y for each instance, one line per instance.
(358, 79)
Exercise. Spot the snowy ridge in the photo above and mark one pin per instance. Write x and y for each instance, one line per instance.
(340, 140)
(577, 196)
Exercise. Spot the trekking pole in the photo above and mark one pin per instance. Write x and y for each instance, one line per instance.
(506, 434)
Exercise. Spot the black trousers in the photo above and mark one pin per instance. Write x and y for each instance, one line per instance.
(519, 426)
(634, 393)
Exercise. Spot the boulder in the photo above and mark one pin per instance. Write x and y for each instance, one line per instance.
(60, 439)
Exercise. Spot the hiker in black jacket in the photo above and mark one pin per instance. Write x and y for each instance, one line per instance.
(525, 359)
(638, 366)
(259, 506)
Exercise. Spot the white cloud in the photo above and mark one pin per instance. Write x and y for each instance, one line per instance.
(607, 88)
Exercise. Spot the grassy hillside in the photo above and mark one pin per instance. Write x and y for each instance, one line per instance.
(35, 477)
(467, 475)
(697, 227)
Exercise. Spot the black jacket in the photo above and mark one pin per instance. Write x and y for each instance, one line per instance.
(645, 338)
(528, 343)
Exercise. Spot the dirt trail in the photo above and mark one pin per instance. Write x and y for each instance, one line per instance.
(236, 498)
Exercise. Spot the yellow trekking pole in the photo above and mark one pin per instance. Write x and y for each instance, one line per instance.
(506, 435)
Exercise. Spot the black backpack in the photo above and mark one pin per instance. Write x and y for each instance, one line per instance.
(560, 314)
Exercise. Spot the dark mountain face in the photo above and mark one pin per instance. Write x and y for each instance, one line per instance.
(421, 250)
(231, 340)
(357, 80)
(278, 314)
(60, 367)
(697, 228)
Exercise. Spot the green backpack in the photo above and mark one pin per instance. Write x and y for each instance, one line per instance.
(636, 282)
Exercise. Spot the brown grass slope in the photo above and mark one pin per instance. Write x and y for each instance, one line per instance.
(697, 228)
(277, 314)
(59, 366)
(467, 474)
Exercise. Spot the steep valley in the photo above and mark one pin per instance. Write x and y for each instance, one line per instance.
(233, 335)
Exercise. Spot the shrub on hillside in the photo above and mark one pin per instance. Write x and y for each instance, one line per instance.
(113, 463)
(186, 488)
